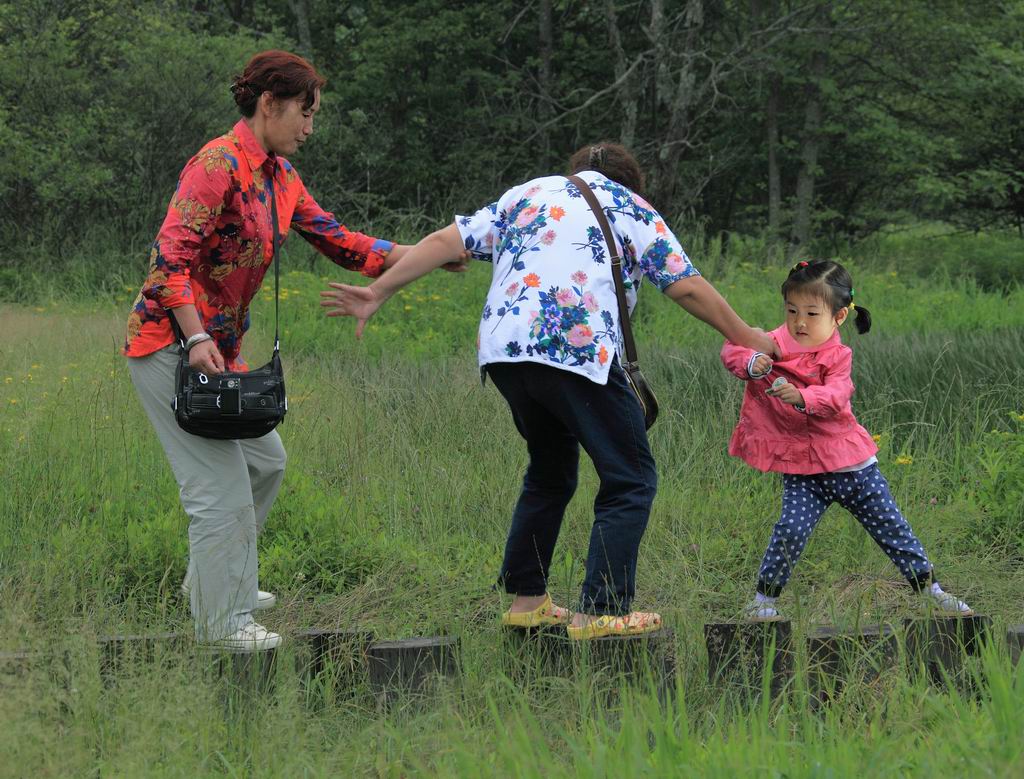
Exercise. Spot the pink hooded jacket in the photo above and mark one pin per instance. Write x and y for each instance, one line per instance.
(775, 436)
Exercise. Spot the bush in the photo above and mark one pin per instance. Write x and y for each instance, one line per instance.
(999, 489)
(992, 260)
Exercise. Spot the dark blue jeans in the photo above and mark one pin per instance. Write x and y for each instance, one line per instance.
(557, 411)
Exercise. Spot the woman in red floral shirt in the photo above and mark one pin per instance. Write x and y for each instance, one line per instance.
(206, 265)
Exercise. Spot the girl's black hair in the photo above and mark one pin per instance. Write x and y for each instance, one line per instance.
(832, 283)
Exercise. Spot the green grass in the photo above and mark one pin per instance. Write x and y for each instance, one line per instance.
(401, 479)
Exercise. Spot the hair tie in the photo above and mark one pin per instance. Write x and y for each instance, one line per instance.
(596, 160)
(851, 293)
(801, 264)
(852, 305)
(239, 85)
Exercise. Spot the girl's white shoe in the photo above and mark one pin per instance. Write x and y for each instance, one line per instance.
(760, 611)
(946, 603)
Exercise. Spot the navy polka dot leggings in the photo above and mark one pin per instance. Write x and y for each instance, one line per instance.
(865, 494)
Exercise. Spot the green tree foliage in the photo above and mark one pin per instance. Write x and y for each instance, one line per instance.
(859, 114)
(102, 105)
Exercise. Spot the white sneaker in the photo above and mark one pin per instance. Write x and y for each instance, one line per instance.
(946, 603)
(249, 638)
(755, 611)
(264, 600)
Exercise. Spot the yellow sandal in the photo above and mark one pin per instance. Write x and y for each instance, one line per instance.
(633, 624)
(545, 614)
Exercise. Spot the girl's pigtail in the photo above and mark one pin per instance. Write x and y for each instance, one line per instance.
(862, 319)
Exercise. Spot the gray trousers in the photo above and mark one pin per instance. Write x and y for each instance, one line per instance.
(226, 488)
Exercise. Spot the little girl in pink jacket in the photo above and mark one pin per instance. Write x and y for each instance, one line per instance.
(796, 420)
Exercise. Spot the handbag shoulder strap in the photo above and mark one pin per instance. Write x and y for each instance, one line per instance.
(276, 260)
(616, 260)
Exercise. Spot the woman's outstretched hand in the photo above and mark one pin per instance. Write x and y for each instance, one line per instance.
(346, 300)
(408, 264)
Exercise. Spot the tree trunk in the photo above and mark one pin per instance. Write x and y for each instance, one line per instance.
(300, 9)
(771, 126)
(659, 45)
(237, 10)
(810, 144)
(627, 97)
(774, 178)
(674, 139)
(546, 47)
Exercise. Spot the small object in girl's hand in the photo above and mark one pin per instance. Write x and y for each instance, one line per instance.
(778, 383)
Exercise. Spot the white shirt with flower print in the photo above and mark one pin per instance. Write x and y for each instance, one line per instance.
(552, 297)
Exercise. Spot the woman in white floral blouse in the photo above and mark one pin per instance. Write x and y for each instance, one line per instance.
(549, 339)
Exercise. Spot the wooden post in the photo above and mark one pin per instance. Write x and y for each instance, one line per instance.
(741, 653)
(117, 653)
(245, 675)
(18, 668)
(836, 658)
(530, 652)
(938, 645)
(409, 668)
(15, 666)
(331, 664)
(647, 658)
(1015, 640)
(16, 663)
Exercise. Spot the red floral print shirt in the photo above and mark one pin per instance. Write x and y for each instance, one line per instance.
(216, 243)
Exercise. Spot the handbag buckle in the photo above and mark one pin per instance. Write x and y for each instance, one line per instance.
(229, 401)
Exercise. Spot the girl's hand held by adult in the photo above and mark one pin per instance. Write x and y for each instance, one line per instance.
(762, 365)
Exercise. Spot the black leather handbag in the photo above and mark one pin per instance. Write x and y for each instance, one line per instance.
(236, 404)
(641, 388)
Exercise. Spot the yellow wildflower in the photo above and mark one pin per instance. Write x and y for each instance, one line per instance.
(14, 401)
(876, 438)
(904, 460)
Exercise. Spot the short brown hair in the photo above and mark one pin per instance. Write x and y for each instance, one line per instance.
(612, 160)
(283, 74)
